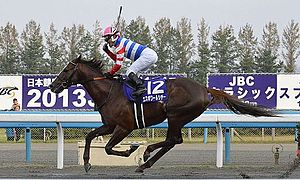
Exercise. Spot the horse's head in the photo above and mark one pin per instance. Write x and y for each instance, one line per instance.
(73, 73)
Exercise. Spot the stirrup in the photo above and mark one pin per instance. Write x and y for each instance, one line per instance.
(139, 92)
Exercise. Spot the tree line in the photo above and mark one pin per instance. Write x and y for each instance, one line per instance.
(34, 52)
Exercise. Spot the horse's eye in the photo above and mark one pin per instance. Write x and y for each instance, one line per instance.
(64, 84)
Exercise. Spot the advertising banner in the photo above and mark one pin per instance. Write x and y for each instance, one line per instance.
(37, 95)
(280, 91)
(10, 88)
(253, 88)
(288, 88)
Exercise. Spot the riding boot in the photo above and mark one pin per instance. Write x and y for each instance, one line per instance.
(139, 85)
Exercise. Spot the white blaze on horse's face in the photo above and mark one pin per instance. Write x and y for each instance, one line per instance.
(63, 80)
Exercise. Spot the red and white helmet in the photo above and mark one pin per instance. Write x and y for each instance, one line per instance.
(111, 32)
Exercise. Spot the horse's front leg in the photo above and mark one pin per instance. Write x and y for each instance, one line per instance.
(118, 135)
(103, 130)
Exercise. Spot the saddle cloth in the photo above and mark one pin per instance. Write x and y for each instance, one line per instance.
(156, 90)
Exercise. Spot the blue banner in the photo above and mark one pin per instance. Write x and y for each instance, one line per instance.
(37, 95)
(252, 88)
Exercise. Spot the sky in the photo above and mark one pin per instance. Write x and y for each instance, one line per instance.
(65, 13)
(216, 12)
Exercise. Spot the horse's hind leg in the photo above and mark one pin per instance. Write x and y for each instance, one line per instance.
(174, 136)
(118, 135)
(103, 130)
(153, 159)
(153, 147)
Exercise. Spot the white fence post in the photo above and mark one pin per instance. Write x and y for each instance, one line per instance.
(60, 146)
(219, 145)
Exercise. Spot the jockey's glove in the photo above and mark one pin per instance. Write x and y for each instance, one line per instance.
(108, 75)
(105, 47)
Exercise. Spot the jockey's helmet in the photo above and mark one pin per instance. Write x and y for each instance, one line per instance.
(110, 33)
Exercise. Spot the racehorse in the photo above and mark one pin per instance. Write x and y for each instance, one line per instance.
(187, 100)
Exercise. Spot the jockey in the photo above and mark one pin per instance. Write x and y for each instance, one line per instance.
(143, 57)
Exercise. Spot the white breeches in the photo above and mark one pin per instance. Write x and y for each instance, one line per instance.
(145, 61)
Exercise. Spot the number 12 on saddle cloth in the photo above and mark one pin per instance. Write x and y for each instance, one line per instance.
(156, 90)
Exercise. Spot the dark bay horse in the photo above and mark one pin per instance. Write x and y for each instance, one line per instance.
(187, 100)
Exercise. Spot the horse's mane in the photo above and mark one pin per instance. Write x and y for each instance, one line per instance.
(95, 64)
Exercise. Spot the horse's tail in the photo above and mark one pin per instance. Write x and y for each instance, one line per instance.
(238, 106)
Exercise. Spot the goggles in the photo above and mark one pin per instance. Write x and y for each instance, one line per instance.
(106, 38)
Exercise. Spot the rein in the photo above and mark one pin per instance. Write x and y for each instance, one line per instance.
(97, 79)
(86, 81)
(108, 96)
(68, 82)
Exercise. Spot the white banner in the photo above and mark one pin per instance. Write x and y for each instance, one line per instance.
(10, 88)
(288, 91)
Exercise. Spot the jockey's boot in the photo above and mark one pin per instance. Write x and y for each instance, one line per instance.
(139, 85)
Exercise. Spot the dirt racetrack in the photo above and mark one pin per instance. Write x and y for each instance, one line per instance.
(186, 161)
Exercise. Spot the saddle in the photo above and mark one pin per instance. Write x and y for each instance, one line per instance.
(156, 91)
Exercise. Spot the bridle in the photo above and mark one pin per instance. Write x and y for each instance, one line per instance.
(67, 83)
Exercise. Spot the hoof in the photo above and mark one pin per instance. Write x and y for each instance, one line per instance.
(87, 167)
(134, 147)
(139, 170)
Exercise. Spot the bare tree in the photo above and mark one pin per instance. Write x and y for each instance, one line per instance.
(71, 38)
(224, 50)
(53, 51)
(291, 46)
(163, 44)
(32, 49)
(247, 49)
(185, 47)
(201, 65)
(9, 50)
(267, 60)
